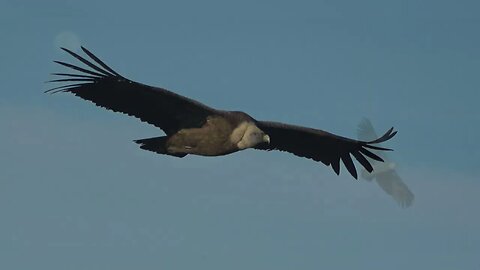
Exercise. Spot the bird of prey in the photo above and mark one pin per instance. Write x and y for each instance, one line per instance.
(193, 128)
(384, 172)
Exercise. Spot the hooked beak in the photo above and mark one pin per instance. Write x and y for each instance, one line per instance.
(266, 138)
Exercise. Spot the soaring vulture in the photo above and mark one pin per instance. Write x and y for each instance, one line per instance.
(384, 173)
(194, 128)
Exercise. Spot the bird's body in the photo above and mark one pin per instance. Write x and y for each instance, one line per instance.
(212, 139)
(194, 128)
(218, 136)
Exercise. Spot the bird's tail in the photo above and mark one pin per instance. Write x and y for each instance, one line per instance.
(157, 145)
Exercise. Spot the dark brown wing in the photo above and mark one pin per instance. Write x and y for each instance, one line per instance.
(106, 88)
(321, 146)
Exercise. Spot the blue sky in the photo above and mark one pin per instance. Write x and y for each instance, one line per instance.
(76, 193)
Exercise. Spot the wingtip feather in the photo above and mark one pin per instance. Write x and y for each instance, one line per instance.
(100, 62)
(348, 162)
(336, 166)
(371, 155)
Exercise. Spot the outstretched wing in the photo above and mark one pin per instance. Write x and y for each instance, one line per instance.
(101, 85)
(322, 146)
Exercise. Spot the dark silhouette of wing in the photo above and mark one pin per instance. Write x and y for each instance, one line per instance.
(366, 132)
(106, 88)
(322, 146)
(393, 185)
(385, 175)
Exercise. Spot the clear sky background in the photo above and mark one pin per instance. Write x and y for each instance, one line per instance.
(77, 193)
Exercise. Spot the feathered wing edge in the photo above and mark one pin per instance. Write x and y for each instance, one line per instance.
(343, 147)
(99, 71)
(92, 80)
(366, 132)
(359, 155)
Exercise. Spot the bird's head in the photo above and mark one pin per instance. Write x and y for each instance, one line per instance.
(252, 137)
